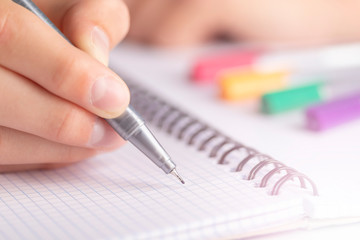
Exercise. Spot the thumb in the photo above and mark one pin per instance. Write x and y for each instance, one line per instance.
(96, 26)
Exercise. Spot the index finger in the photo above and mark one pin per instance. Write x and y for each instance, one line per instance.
(31, 48)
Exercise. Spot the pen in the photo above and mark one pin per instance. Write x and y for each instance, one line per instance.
(129, 125)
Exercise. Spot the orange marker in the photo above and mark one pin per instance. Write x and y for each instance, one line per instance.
(250, 84)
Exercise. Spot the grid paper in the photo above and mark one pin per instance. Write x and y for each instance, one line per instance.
(122, 195)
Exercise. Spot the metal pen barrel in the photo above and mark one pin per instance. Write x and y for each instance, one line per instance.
(128, 125)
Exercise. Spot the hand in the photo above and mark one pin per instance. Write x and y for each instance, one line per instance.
(52, 92)
(192, 22)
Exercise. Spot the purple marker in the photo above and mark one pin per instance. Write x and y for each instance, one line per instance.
(333, 113)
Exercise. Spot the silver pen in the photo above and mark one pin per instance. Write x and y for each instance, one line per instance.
(129, 125)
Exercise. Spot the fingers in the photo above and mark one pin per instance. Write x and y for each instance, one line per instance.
(91, 25)
(50, 90)
(32, 109)
(36, 150)
(96, 26)
(57, 66)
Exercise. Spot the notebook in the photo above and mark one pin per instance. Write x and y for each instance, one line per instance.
(232, 190)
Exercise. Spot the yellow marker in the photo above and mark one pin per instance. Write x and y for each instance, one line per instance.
(247, 84)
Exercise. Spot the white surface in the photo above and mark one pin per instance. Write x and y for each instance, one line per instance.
(331, 158)
(122, 195)
(349, 232)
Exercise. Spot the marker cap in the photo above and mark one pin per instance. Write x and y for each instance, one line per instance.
(288, 99)
(207, 69)
(249, 84)
(333, 113)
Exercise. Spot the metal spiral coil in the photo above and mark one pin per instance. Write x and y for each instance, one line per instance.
(167, 117)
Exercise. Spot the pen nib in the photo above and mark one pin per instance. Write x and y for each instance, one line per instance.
(175, 173)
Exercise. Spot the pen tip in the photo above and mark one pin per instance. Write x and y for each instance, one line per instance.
(176, 174)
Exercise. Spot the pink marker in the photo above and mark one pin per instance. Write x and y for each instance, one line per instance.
(206, 69)
(336, 112)
(323, 59)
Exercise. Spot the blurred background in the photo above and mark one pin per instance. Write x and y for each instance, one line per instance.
(280, 75)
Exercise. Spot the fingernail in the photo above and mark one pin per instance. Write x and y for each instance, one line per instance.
(102, 135)
(101, 45)
(109, 94)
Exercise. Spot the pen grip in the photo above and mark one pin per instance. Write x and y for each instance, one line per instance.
(127, 123)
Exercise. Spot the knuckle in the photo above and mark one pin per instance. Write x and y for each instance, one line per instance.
(64, 70)
(5, 28)
(71, 78)
(72, 127)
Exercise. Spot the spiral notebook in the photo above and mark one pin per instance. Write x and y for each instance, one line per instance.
(232, 190)
(122, 195)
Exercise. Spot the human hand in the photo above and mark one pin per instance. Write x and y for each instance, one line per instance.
(294, 22)
(52, 92)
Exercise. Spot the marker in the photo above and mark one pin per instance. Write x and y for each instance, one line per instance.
(333, 113)
(236, 86)
(208, 68)
(292, 98)
(324, 87)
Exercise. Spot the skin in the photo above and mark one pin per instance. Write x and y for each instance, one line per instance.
(270, 22)
(52, 94)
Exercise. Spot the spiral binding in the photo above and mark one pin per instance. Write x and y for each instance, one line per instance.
(168, 117)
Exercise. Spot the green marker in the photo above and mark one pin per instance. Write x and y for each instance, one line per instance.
(329, 86)
(292, 98)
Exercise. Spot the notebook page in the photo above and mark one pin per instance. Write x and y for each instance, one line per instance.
(330, 159)
(123, 195)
